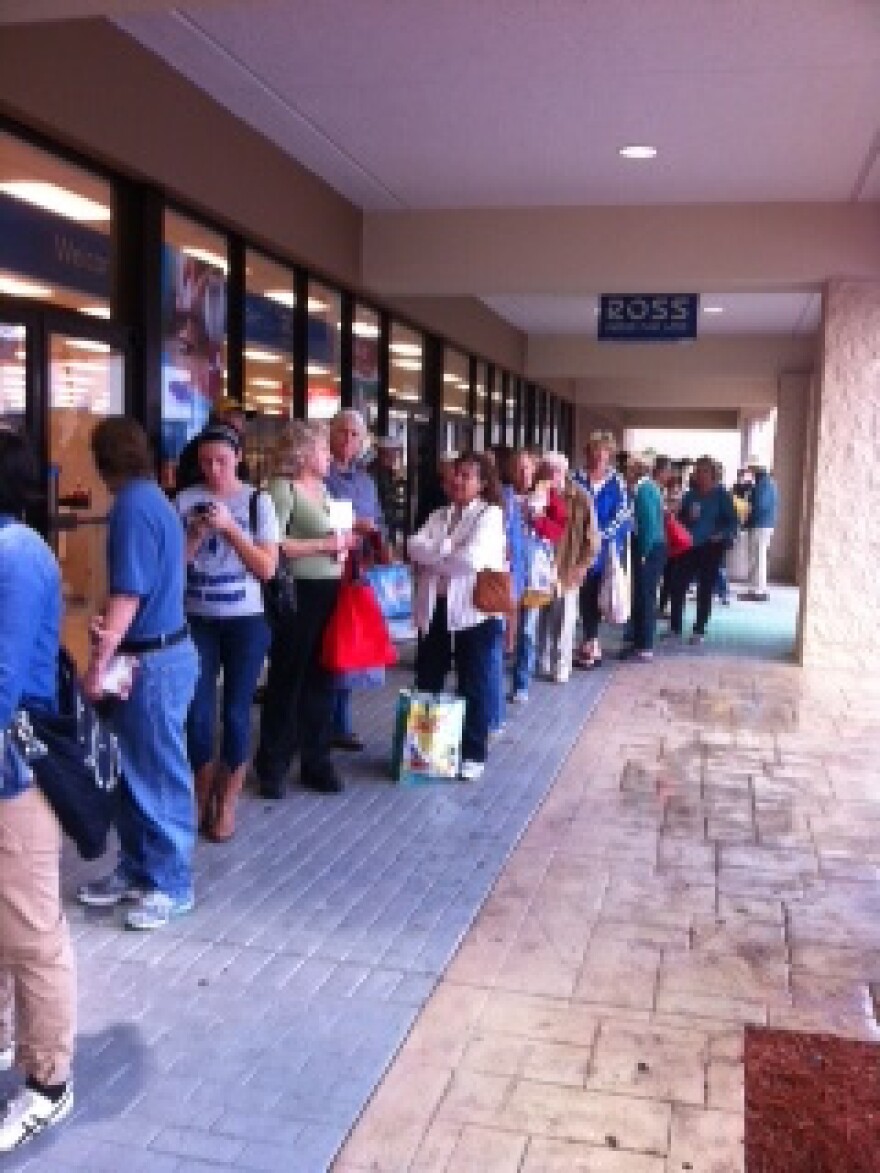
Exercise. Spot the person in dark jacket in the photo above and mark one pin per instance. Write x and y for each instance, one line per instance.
(763, 509)
(707, 511)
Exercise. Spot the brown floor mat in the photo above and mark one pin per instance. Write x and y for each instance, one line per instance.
(812, 1103)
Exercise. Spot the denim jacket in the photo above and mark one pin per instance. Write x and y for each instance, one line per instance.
(30, 621)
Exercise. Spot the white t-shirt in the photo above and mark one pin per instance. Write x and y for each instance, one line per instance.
(218, 584)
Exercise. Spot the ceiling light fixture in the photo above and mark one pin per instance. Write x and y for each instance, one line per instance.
(14, 287)
(96, 311)
(256, 355)
(209, 258)
(285, 297)
(87, 344)
(638, 151)
(316, 306)
(407, 349)
(713, 309)
(364, 329)
(52, 198)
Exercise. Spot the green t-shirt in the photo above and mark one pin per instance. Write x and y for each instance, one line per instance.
(311, 519)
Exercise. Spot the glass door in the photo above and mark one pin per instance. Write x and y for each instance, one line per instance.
(86, 383)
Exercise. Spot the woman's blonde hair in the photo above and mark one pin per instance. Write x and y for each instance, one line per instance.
(296, 443)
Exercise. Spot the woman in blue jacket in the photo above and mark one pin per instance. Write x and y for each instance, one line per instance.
(613, 516)
(707, 511)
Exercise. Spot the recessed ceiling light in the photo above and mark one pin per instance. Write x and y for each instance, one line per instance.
(14, 287)
(713, 309)
(95, 311)
(52, 198)
(208, 257)
(637, 151)
(284, 297)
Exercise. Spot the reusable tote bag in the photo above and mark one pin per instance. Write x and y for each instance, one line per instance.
(541, 584)
(427, 737)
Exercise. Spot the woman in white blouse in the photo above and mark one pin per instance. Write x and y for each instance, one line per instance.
(451, 547)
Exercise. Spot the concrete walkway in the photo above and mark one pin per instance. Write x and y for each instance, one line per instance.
(709, 857)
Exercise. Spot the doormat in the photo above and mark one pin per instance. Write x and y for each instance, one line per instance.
(812, 1103)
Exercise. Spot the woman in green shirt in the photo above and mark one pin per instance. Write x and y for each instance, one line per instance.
(298, 704)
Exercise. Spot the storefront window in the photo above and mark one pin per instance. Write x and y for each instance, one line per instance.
(194, 268)
(13, 339)
(456, 382)
(365, 365)
(56, 238)
(496, 401)
(406, 382)
(323, 369)
(513, 405)
(268, 357)
(481, 404)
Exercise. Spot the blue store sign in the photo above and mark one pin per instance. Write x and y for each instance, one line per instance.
(647, 317)
(34, 243)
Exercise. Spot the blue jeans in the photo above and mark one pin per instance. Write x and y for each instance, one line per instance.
(238, 645)
(342, 719)
(156, 817)
(473, 666)
(647, 573)
(524, 654)
(498, 706)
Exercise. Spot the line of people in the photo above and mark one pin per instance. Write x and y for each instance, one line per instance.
(185, 598)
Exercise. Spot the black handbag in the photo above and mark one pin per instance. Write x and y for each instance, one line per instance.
(75, 760)
(279, 592)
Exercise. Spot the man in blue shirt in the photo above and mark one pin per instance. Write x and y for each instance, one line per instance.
(763, 508)
(143, 615)
(707, 511)
(347, 481)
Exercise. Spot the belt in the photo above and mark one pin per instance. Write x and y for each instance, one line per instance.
(154, 643)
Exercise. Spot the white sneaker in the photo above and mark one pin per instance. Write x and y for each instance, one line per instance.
(471, 771)
(156, 909)
(108, 891)
(520, 697)
(7, 1057)
(562, 675)
(28, 1113)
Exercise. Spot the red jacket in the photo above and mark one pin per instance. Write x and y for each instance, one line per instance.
(550, 525)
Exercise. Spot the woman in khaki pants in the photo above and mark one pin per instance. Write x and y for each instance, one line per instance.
(37, 992)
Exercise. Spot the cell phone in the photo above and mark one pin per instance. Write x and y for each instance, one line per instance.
(202, 509)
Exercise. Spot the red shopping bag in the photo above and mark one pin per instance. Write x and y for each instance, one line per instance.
(356, 636)
(678, 536)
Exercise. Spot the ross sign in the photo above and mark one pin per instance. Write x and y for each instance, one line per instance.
(647, 317)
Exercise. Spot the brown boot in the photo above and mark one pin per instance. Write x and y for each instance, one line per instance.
(226, 792)
(204, 788)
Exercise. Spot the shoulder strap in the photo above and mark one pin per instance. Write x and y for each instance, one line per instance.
(252, 511)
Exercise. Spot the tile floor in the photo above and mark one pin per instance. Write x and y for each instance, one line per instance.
(708, 857)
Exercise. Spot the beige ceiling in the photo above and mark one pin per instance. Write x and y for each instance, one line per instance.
(765, 114)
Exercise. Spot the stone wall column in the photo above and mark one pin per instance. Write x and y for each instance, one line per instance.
(788, 470)
(839, 623)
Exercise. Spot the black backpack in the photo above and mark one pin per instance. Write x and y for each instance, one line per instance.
(74, 758)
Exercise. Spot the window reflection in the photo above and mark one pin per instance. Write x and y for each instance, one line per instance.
(13, 340)
(365, 365)
(194, 268)
(323, 369)
(481, 405)
(56, 240)
(268, 357)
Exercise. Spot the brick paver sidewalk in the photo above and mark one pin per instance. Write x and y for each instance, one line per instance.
(250, 1034)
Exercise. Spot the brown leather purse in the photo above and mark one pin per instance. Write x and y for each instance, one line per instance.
(493, 592)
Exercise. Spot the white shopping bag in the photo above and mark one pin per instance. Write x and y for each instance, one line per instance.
(615, 598)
